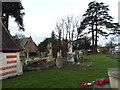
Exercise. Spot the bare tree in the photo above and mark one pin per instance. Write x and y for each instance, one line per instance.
(67, 27)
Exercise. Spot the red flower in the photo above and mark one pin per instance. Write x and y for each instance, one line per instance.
(106, 80)
(89, 75)
(85, 84)
(97, 82)
(82, 84)
(103, 81)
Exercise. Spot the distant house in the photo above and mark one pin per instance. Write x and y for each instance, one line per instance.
(29, 46)
(10, 64)
(117, 48)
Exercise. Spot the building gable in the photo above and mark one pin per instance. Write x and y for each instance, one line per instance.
(7, 43)
(30, 45)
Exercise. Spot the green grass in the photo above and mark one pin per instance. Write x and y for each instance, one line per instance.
(65, 77)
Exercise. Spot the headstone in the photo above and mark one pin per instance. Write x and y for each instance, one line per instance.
(50, 52)
(43, 54)
(59, 59)
(27, 54)
(80, 54)
(70, 54)
(70, 50)
(19, 68)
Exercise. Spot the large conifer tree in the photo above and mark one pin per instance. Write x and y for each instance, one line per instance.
(96, 20)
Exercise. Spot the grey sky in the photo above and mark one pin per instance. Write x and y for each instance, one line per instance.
(41, 15)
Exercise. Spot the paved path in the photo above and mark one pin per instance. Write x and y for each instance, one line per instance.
(102, 87)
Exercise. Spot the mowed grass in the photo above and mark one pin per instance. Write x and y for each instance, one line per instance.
(65, 77)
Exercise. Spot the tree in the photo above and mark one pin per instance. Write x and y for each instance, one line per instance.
(82, 43)
(13, 9)
(55, 44)
(110, 45)
(96, 20)
(59, 28)
(43, 45)
(67, 27)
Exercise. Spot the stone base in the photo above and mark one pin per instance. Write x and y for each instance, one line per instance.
(114, 77)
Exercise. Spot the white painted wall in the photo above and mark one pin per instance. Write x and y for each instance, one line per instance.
(16, 66)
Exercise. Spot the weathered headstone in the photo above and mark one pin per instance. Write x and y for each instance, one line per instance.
(70, 54)
(50, 52)
(19, 68)
(59, 59)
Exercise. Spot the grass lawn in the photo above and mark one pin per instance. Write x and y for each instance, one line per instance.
(66, 77)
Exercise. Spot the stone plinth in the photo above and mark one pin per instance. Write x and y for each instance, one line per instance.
(50, 57)
(114, 77)
(70, 57)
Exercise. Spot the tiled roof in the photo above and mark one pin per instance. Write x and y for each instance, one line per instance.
(22, 41)
(7, 43)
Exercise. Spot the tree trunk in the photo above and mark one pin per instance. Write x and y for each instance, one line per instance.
(69, 35)
(96, 38)
(60, 40)
(63, 34)
(96, 32)
(93, 46)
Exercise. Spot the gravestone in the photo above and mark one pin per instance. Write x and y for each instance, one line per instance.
(19, 68)
(80, 54)
(50, 52)
(59, 59)
(70, 54)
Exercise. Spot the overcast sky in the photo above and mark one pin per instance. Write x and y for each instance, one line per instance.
(41, 15)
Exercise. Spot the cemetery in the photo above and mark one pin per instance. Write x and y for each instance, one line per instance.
(59, 61)
(71, 75)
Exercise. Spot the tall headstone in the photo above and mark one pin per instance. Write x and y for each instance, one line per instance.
(50, 52)
(59, 59)
(70, 54)
(19, 68)
(70, 50)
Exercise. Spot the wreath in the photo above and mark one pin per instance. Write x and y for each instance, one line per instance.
(97, 82)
